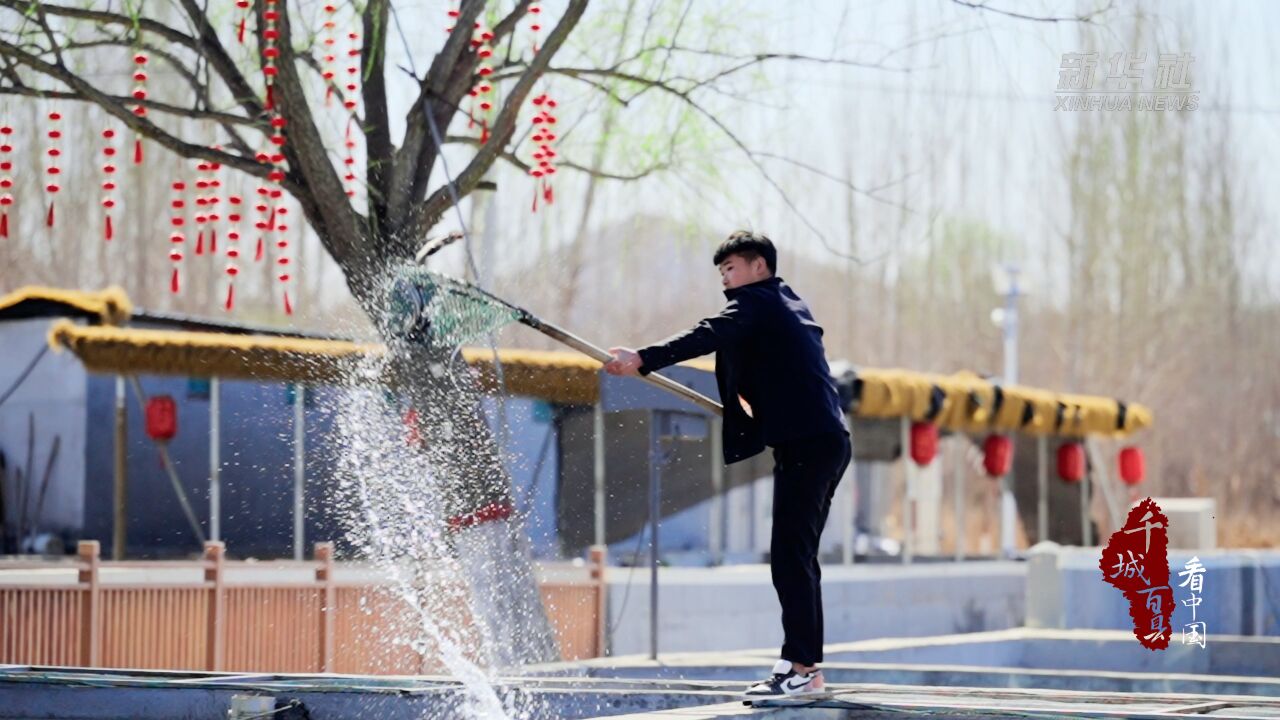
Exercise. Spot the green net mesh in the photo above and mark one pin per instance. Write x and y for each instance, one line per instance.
(430, 308)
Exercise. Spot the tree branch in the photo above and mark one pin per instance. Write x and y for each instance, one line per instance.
(316, 181)
(177, 111)
(120, 110)
(377, 130)
(523, 166)
(755, 159)
(439, 92)
(210, 47)
(428, 213)
(1085, 17)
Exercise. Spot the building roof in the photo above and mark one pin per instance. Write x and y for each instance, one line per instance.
(963, 402)
(106, 307)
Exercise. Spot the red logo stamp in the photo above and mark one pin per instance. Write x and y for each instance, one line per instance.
(1136, 561)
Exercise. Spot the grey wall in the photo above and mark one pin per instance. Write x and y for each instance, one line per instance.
(54, 393)
(256, 478)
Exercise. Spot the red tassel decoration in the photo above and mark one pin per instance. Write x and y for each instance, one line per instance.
(108, 233)
(231, 297)
(53, 170)
(543, 164)
(213, 241)
(173, 282)
(535, 13)
(240, 30)
(257, 255)
(484, 131)
(139, 93)
(6, 182)
(200, 242)
(288, 306)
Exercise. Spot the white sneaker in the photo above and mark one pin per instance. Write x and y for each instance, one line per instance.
(786, 682)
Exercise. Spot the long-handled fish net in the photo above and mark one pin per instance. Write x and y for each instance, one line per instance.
(428, 308)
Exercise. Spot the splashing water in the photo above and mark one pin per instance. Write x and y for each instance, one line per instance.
(471, 602)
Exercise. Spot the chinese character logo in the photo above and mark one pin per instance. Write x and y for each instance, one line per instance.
(1136, 562)
(1193, 633)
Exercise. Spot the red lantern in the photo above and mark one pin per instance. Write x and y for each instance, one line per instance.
(353, 72)
(1133, 466)
(108, 181)
(162, 418)
(178, 238)
(244, 18)
(329, 41)
(924, 442)
(535, 13)
(54, 152)
(6, 182)
(543, 165)
(1071, 462)
(997, 455)
(139, 93)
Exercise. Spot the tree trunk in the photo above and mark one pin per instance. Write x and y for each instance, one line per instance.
(487, 537)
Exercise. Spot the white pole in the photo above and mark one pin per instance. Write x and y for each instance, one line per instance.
(299, 471)
(215, 462)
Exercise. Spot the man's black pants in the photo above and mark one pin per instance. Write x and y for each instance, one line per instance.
(806, 472)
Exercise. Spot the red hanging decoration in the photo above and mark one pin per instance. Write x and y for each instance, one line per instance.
(1071, 462)
(178, 238)
(535, 25)
(53, 171)
(1133, 466)
(203, 204)
(350, 102)
(543, 165)
(6, 182)
(349, 162)
(212, 185)
(997, 455)
(924, 442)
(353, 72)
(139, 94)
(481, 101)
(269, 51)
(329, 41)
(233, 248)
(243, 5)
(108, 182)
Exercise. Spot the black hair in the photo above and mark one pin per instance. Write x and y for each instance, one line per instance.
(750, 246)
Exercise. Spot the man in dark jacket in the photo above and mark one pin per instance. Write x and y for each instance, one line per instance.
(777, 391)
